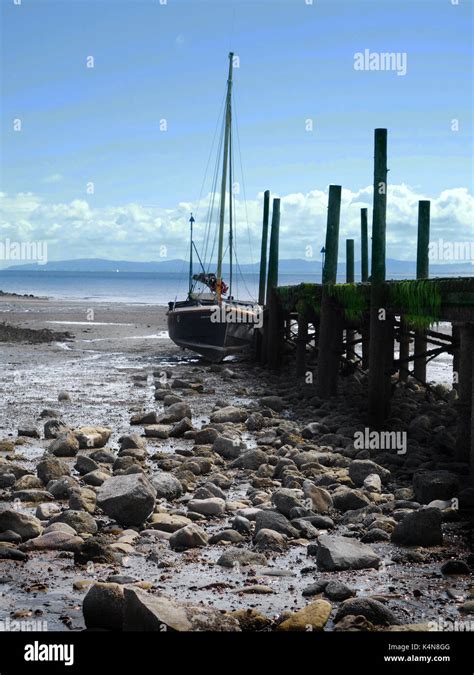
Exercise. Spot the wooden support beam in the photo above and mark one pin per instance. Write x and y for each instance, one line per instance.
(404, 341)
(330, 330)
(381, 322)
(272, 280)
(364, 242)
(350, 278)
(275, 330)
(456, 332)
(263, 251)
(422, 272)
(464, 402)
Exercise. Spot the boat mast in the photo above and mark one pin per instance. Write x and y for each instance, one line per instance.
(228, 122)
(231, 211)
(191, 221)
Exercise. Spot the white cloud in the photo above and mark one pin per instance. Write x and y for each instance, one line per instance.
(136, 232)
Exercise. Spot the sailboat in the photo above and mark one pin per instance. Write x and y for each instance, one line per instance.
(211, 321)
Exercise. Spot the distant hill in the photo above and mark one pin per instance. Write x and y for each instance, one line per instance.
(395, 268)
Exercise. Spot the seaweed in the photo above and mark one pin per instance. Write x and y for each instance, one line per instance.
(353, 298)
(420, 301)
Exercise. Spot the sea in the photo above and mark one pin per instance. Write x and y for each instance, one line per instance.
(147, 288)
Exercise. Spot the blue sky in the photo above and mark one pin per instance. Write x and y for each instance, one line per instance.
(155, 61)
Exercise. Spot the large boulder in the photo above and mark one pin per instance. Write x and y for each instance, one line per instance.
(51, 468)
(285, 499)
(145, 612)
(175, 413)
(359, 469)
(341, 553)
(431, 485)
(129, 499)
(80, 521)
(166, 485)
(190, 536)
(320, 499)
(272, 520)
(313, 617)
(24, 524)
(92, 437)
(420, 528)
(228, 448)
(229, 414)
(214, 506)
(65, 445)
(103, 606)
(373, 610)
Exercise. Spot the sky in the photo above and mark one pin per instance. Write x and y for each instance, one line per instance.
(138, 125)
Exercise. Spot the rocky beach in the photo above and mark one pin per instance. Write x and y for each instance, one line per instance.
(142, 488)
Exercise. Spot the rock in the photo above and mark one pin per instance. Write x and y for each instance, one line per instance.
(48, 412)
(250, 619)
(272, 520)
(419, 528)
(80, 521)
(64, 396)
(103, 456)
(285, 499)
(454, 567)
(129, 499)
(191, 536)
(240, 556)
(95, 548)
(341, 553)
(359, 469)
(467, 607)
(55, 540)
(269, 540)
(431, 485)
(158, 430)
(346, 499)
(24, 524)
(55, 428)
(337, 591)
(255, 422)
(275, 403)
(372, 536)
(241, 524)
(65, 445)
(131, 441)
(351, 623)
(231, 536)
(312, 617)
(167, 486)
(144, 418)
(92, 437)
(371, 609)
(103, 606)
(62, 488)
(83, 499)
(12, 537)
(28, 483)
(175, 413)
(28, 431)
(321, 500)
(33, 496)
(251, 459)
(315, 589)
(6, 445)
(85, 464)
(228, 448)
(167, 522)
(7, 480)
(96, 478)
(145, 612)
(207, 507)
(229, 414)
(9, 552)
(373, 483)
(180, 428)
(305, 528)
(47, 510)
(206, 436)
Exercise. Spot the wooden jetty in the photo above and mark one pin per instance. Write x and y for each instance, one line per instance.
(329, 320)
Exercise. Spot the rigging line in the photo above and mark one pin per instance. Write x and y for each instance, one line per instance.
(243, 185)
(213, 195)
(210, 154)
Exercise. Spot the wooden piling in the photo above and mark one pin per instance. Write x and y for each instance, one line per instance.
(422, 272)
(465, 400)
(350, 278)
(263, 251)
(274, 322)
(330, 331)
(380, 328)
(364, 241)
(301, 343)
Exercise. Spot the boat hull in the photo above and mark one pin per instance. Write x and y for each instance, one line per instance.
(191, 327)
